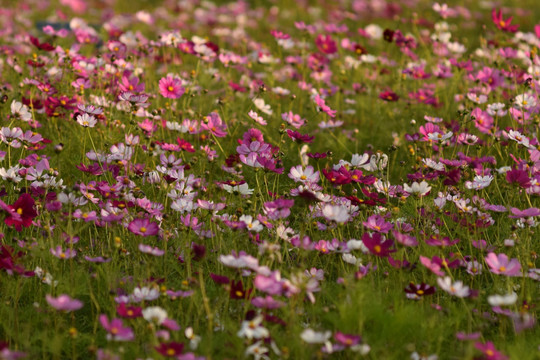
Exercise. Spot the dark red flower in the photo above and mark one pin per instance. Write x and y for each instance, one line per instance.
(237, 87)
(185, 145)
(129, 312)
(7, 262)
(171, 349)
(325, 44)
(94, 169)
(378, 245)
(389, 96)
(340, 177)
(24, 207)
(317, 155)
(198, 251)
(415, 291)
(237, 291)
(388, 35)
(41, 46)
(220, 279)
(301, 138)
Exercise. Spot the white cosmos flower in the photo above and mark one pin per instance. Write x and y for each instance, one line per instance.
(193, 339)
(258, 351)
(479, 182)
(374, 31)
(154, 314)
(252, 329)
(336, 213)
(315, 337)
(476, 98)
(260, 104)
(502, 300)
(496, 109)
(454, 288)
(351, 259)
(421, 189)
(144, 293)
(525, 101)
(86, 120)
(20, 110)
(439, 166)
(242, 189)
(359, 160)
(519, 138)
(252, 224)
(435, 136)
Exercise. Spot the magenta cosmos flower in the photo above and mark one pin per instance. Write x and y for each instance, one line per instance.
(143, 227)
(171, 88)
(490, 352)
(64, 303)
(499, 264)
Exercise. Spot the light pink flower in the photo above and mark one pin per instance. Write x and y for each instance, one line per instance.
(499, 264)
(64, 303)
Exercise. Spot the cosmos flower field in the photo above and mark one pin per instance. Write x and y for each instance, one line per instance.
(352, 179)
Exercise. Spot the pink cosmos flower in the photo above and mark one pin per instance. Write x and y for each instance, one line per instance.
(78, 6)
(468, 336)
(271, 284)
(378, 223)
(524, 213)
(64, 303)
(307, 175)
(171, 88)
(294, 120)
(61, 254)
(143, 227)
(147, 249)
(258, 119)
(324, 108)
(267, 302)
(116, 330)
(278, 209)
(499, 264)
(214, 125)
(405, 239)
(432, 266)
